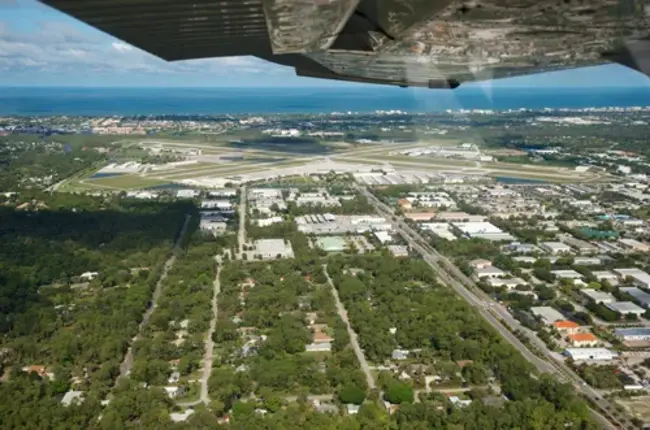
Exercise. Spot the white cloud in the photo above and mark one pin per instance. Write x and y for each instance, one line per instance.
(121, 47)
(62, 47)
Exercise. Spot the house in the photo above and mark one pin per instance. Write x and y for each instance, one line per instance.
(399, 354)
(40, 370)
(319, 347)
(352, 408)
(88, 276)
(593, 354)
(174, 391)
(580, 340)
(72, 397)
(480, 264)
(181, 417)
(325, 408)
(566, 327)
(174, 377)
(456, 401)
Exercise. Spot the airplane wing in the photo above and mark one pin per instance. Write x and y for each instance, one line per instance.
(428, 43)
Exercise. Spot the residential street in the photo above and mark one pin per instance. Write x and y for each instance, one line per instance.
(353, 336)
(209, 345)
(127, 363)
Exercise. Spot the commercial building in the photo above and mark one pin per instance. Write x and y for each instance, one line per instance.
(639, 295)
(489, 272)
(440, 229)
(483, 230)
(340, 224)
(509, 283)
(567, 274)
(626, 308)
(547, 314)
(633, 334)
(580, 340)
(606, 275)
(383, 237)
(272, 248)
(555, 247)
(216, 204)
(459, 217)
(331, 243)
(598, 296)
(265, 222)
(634, 245)
(566, 327)
(639, 277)
(591, 354)
(398, 250)
(419, 216)
(581, 246)
(522, 248)
(480, 263)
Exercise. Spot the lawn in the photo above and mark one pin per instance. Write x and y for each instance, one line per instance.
(126, 182)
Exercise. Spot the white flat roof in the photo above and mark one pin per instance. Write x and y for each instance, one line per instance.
(598, 296)
(626, 308)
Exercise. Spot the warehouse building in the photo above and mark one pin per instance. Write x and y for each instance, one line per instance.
(598, 296)
(633, 334)
(555, 247)
(639, 295)
(591, 354)
(483, 230)
(273, 248)
(639, 277)
(547, 314)
(626, 308)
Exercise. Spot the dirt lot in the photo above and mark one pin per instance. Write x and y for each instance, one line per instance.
(637, 406)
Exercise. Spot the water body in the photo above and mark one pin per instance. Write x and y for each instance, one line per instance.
(214, 101)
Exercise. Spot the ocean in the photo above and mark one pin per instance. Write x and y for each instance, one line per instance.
(214, 101)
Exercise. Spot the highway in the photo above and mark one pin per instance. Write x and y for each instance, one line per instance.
(498, 316)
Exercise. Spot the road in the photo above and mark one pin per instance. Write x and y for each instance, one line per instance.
(127, 363)
(209, 345)
(241, 238)
(497, 315)
(353, 336)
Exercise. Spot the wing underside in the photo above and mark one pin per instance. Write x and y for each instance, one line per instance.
(430, 43)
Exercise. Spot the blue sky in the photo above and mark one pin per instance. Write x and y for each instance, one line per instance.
(40, 46)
